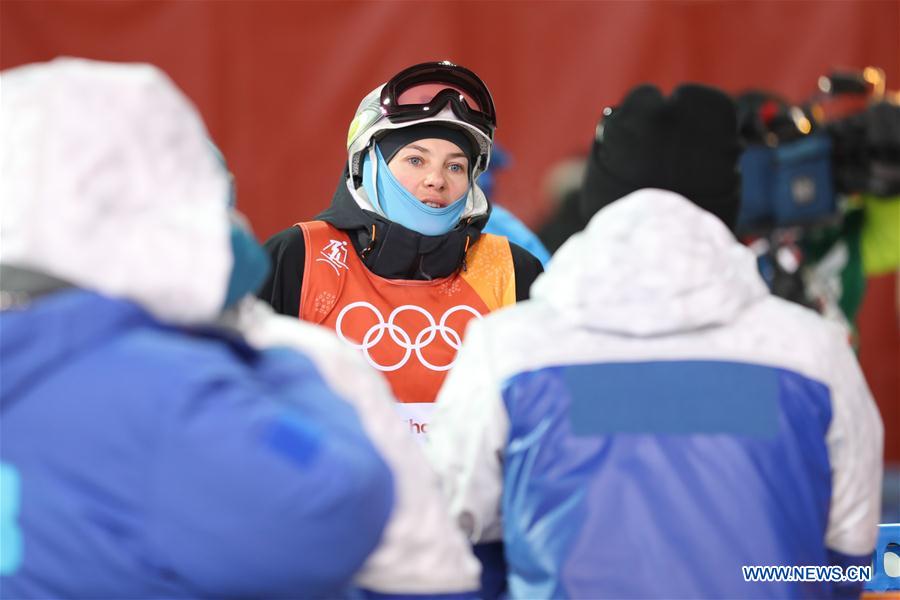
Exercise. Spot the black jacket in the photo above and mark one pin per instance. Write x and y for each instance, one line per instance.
(395, 252)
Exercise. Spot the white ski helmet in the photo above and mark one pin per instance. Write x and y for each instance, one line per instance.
(428, 92)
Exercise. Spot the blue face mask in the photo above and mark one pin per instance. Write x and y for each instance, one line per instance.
(400, 206)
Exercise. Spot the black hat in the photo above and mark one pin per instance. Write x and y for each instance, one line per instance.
(395, 139)
(686, 143)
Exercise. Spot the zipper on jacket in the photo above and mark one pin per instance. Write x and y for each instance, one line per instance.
(370, 246)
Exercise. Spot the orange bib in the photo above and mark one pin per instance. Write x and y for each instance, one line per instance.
(409, 330)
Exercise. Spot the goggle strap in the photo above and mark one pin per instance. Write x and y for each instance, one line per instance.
(373, 160)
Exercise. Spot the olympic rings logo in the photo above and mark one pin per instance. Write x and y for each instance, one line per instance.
(400, 337)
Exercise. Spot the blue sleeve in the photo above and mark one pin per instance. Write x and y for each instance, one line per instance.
(266, 485)
(503, 222)
(847, 589)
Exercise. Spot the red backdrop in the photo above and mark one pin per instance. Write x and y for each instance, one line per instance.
(278, 82)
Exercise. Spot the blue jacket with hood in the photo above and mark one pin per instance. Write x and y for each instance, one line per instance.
(144, 452)
(151, 461)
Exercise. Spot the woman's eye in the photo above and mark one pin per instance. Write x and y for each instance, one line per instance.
(414, 161)
(456, 168)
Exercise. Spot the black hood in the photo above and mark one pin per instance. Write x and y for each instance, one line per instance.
(397, 252)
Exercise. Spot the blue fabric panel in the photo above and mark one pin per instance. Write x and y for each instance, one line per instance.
(493, 569)
(673, 397)
(662, 514)
(293, 438)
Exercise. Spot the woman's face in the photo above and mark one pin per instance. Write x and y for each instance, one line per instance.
(433, 170)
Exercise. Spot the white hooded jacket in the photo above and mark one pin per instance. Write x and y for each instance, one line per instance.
(654, 291)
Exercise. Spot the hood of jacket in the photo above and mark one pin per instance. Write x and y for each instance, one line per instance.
(651, 263)
(396, 252)
(108, 181)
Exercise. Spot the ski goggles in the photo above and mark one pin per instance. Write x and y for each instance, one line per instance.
(425, 89)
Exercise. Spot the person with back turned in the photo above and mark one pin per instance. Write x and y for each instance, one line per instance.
(653, 422)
